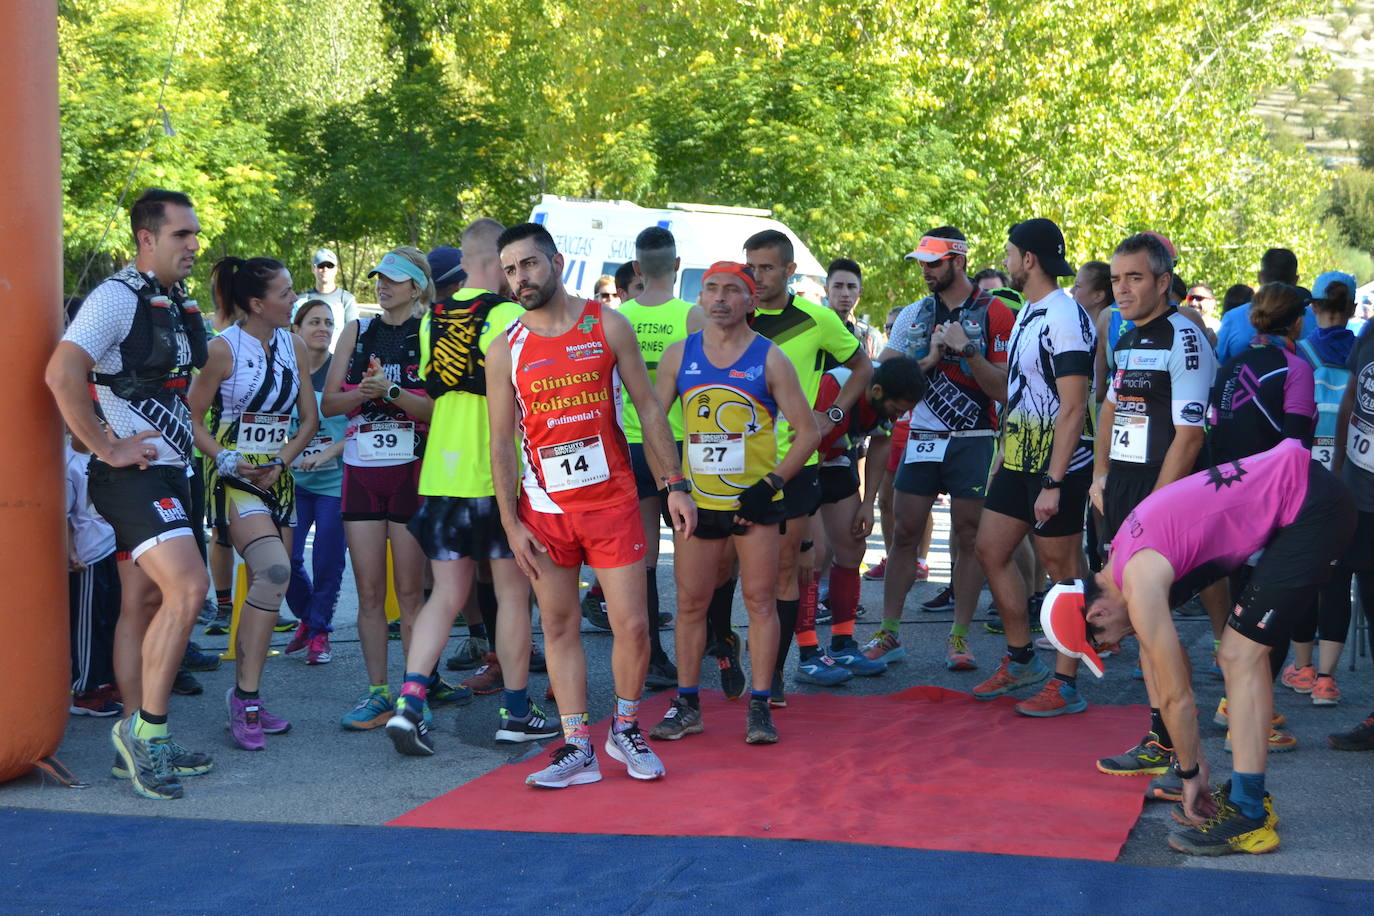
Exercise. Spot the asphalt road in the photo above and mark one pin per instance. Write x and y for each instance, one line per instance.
(319, 773)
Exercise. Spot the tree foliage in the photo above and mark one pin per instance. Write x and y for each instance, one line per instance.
(366, 124)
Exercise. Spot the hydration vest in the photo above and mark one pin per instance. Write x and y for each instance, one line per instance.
(973, 318)
(1331, 380)
(451, 357)
(149, 352)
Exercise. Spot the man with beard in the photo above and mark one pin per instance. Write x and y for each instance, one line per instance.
(553, 378)
(959, 334)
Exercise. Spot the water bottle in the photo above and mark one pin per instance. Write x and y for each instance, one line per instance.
(918, 335)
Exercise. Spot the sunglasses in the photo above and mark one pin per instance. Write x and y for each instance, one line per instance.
(323, 265)
(1200, 298)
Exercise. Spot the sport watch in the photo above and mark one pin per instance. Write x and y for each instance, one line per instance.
(835, 414)
(969, 350)
(392, 393)
(1049, 483)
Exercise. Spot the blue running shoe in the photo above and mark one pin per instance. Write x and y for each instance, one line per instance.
(373, 710)
(822, 669)
(852, 657)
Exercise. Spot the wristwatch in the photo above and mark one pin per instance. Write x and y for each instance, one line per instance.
(392, 393)
(680, 486)
(835, 414)
(969, 350)
(1189, 774)
(774, 480)
(1049, 483)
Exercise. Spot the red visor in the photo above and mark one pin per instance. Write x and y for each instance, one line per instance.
(1061, 616)
(734, 268)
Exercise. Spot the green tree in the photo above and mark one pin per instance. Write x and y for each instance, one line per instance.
(1342, 83)
(1352, 207)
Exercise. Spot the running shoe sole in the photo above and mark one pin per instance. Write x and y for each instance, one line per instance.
(617, 756)
(169, 790)
(407, 738)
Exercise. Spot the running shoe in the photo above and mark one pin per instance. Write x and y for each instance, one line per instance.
(884, 647)
(731, 674)
(1279, 741)
(245, 722)
(1221, 794)
(1167, 786)
(777, 696)
(207, 610)
(1033, 606)
(661, 674)
(1226, 832)
(569, 766)
(922, 570)
(1359, 738)
(821, 669)
(823, 616)
(486, 680)
(393, 630)
(371, 711)
(193, 659)
(471, 652)
(1214, 669)
(665, 620)
(187, 685)
(219, 624)
(594, 610)
(759, 729)
(1148, 758)
(320, 651)
(147, 761)
(97, 703)
(535, 726)
(876, 572)
(850, 656)
(1056, 698)
(1325, 692)
(1222, 719)
(272, 725)
(408, 729)
(538, 664)
(943, 601)
(682, 718)
(994, 626)
(1011, 676)
(299, 639)
(1299, 680)
(284, 624)
(181, 760)
(957, 654)
(630, 748)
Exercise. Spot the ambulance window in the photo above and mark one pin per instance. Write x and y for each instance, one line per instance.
(690, 284)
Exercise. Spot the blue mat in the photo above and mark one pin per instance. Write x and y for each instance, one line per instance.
(75, 863)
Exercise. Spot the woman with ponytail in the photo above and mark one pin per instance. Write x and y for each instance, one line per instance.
(250, 385)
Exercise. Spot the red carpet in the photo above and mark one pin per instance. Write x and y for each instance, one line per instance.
(926, 768)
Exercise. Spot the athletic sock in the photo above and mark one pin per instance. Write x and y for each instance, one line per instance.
(1021, 654)
(844, 596)
(416, 685)
(891, 626)
(808, 590)
(656, 653)
(958, 629)
(843, 628)
(1070, 679)
(760, 696)
(487, 607)
(787, 624)
(1247, 794)
(477, 630)
(626, 714)
(148, 726)
(245, 694)
(381, 690)
(805, 652)
(516, 702)
(1160, 729)
(718, 613)
(224, 599)
(690, 695)
(576, 732)
(1320, 676)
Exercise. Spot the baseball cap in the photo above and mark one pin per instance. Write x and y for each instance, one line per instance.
(1042, 238)
(1062, 618)
(1164, 240)
(1334, 276)
(733, 268)
(446, 265)
(324, 256)
(935, 248)
(395, 267)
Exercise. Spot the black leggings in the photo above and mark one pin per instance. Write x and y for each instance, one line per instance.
(1333, 607)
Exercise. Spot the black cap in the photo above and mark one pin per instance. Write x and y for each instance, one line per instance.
(1042, 238)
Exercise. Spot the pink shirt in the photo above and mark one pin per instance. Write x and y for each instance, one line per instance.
(1213, 521)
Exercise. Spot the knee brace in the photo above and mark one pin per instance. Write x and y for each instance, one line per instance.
(270, 571)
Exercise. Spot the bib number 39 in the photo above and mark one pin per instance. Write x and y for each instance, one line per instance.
(388, 440)
(571, 465)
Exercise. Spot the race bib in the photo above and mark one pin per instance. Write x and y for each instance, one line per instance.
(263, 433)
(1323, 450)
(317, 445)
(926, 447)
(1130, 436)
(715, 453)
(1359, 444)
(575, 464)
(386, 440)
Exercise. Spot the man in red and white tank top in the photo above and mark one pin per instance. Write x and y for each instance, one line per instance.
(554, 380)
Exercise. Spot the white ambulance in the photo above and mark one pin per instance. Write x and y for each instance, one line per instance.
(597, 236)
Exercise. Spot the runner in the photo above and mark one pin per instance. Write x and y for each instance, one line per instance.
(1178, 539)
(806, 334)
(731, 383)
(1152, 422)
(380, 389)
(553, 379)
(241, 407)
(960, 335)
(458, 525)
(119, 376)
(659, 319)
(1042, 486)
